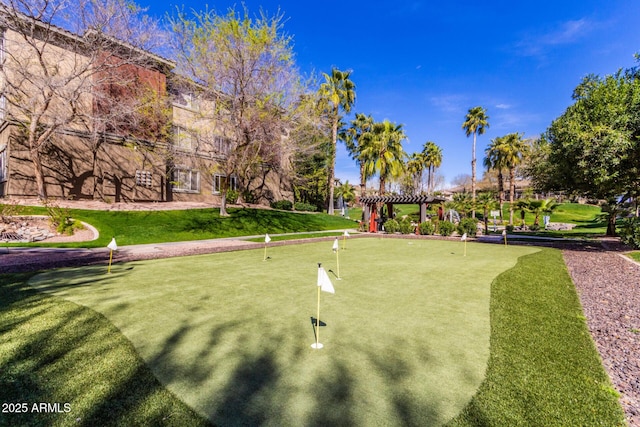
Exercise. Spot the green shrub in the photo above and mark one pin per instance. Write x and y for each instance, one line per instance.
(446, 228)
(629, 232)
(248, 196)
(284, 205)
(406, 227)
(391, 226)
(232, 197)
(469, 226)
(509, 228)
(426, 228)
(305, 207)
(61, 219)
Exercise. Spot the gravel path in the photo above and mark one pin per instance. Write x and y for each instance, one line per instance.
(608, 285)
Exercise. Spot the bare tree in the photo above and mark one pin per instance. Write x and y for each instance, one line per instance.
(63, 66)
(245, 66)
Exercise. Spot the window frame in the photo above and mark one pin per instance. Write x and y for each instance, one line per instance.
(217, 180)
(190, 175)
(3, 164)
(181, 135)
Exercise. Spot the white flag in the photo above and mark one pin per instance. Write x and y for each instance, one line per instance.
(346, 233)
(464, 237)
(504, 232)
(335, 245)
(112, 245)
(267, 239)
(324, 282)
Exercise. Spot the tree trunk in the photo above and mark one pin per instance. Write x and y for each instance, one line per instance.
(611, 223)
(39, 174)
(223, 203)
(363, 181)
(473, 177)
(486, 221)
(501, 193)
(332, 161)
(382, 184)
(512, 193)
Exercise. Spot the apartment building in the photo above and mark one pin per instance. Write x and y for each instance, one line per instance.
(125, 132)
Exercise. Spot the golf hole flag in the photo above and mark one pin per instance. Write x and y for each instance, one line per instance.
(324, 284)
(267, 239)
(113, 246)
(464, 237)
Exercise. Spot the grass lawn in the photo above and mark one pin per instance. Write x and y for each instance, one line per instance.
(635, 255)
(142, 227)
(407, 338)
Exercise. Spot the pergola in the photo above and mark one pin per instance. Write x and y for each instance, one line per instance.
(370, 206)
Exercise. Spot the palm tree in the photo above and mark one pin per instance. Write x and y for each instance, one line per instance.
(524, 206)
(475, 123)
(486, 201)
(383, 153)
(494, 160)
(433, 159)
(415, 167)
(513, 149)
(352, 138)
(538, 207)
(345, 191)
(463, 203)
(337, 94)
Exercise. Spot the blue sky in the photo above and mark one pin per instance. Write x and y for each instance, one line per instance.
(425, 63)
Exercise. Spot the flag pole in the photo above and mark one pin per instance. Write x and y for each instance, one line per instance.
(324, 284)
(317, 344)
(465, 247)
(318, 321)
(110, 259)
(504, 233)
(336, 249)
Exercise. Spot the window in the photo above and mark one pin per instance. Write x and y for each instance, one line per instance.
(143, 179)
(188, 100)
(221, 145)
(3, 164)
(186, 180)
(183, 138)
(219, 182)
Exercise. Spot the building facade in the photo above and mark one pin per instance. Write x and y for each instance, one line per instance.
(123, 131)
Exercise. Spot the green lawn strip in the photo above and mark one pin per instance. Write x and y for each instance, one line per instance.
(406, 336)
(634, 255)
(544, 369)
(55, 352)
(142, 227)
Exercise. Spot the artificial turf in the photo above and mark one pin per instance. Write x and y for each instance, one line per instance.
(406, 339)
(542, 369)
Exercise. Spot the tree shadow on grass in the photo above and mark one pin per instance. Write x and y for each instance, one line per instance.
(58, 352)
(97, 370)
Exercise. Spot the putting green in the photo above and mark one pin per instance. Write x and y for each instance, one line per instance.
(406, 335)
